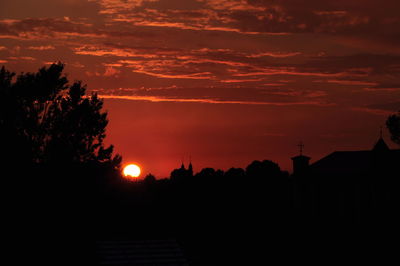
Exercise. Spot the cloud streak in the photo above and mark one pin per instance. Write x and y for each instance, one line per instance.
(42, 48)
(210, 101)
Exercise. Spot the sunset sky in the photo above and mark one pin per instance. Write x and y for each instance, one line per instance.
(224, 82)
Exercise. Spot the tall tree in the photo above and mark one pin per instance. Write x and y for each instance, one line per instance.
(45, 120)
(393, 124)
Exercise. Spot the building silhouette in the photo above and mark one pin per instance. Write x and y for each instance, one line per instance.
(348, 185)
(182, 172)
(354, 163)
(300, 162)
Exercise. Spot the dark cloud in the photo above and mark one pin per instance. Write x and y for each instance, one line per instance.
(243, 49)
(39, 28)
(37, 9)
(262, 16)
(44, 27)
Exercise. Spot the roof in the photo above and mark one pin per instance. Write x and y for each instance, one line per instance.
(339, 162)
(301, 157)
(353, 162)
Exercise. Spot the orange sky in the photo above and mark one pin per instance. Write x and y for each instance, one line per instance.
(222, 81)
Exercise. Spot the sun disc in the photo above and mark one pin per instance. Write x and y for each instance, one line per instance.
(131, 170)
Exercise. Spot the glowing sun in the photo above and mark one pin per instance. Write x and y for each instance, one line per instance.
(131, 170)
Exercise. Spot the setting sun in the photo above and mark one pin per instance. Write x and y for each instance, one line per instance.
(131, 170)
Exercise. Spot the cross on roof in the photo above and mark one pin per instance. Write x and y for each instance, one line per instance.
(301, 146)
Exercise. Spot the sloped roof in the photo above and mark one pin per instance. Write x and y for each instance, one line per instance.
(353, 162)
(356, 162)
(339, 162)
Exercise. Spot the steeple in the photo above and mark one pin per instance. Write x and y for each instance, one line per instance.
(300, 162)
(380, 155)
(190, 169)
(380, 145)
(301, 146)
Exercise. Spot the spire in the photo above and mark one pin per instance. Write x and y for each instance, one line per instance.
(380, 144)
(190, 162)
(301, 146)
(190, 168)
(182, 165)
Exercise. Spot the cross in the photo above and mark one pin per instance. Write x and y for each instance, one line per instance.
(301, 146)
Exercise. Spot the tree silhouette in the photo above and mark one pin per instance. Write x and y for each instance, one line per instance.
(235, 174)
(393, 124)
(207, 174)
(264, 169)
(150, 179)
(44, 120)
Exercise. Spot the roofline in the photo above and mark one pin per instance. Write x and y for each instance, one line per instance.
(303, 156)
(396, 150)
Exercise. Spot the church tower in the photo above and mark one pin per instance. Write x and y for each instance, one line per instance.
(300, 162)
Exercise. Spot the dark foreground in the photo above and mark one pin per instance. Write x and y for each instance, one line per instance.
(59, 221)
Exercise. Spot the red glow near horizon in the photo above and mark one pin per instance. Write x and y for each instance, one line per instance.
(225, 82)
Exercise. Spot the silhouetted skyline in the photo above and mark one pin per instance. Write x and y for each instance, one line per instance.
(224, 81)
